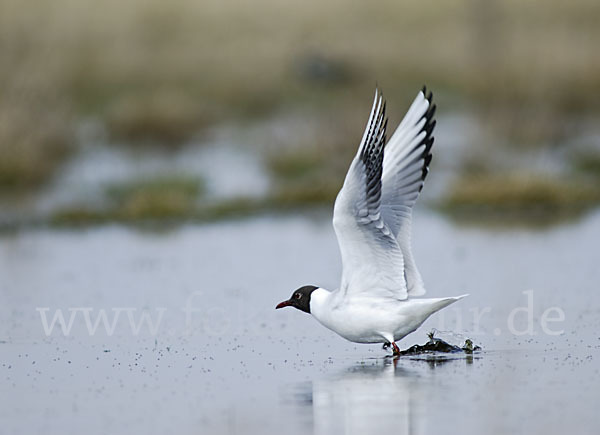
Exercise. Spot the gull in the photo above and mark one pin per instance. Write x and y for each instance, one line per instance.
(377, 301)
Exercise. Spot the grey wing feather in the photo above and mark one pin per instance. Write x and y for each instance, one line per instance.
(405, 167)
(372, 259)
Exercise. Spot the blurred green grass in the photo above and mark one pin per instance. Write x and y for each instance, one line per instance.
(519, 193)
(158, 72)
(158, 197)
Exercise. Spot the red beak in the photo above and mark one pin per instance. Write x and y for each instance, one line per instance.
(283, 304)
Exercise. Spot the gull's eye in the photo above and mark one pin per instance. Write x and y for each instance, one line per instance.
(297, 295)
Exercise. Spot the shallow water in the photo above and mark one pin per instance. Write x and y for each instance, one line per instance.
(235, 365)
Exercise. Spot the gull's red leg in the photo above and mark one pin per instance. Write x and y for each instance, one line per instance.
(396, 348)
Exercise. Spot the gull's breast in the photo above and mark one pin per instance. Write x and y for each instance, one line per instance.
(360, 320)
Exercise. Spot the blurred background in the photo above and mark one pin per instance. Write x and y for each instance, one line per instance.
(152, 111)
(169, 154)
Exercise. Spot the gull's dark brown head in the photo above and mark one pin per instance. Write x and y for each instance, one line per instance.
(300, 299)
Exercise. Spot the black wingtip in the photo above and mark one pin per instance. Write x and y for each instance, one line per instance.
(431, 111)
(429, 127)
(427, 161)
(428, 96)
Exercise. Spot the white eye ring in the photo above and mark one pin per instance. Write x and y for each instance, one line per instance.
(297, 295)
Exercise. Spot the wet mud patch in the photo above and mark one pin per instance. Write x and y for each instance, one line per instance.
(439, 347)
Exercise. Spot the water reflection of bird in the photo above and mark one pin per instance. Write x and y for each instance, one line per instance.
(372, 219)
(374, 397)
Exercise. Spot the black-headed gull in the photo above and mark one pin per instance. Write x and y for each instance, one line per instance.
(372, 220)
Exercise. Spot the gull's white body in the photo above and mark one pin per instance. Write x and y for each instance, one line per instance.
(372, 219)
(372, 320)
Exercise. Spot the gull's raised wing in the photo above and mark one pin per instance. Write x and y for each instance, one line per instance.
(372, 260)
(405, 166)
